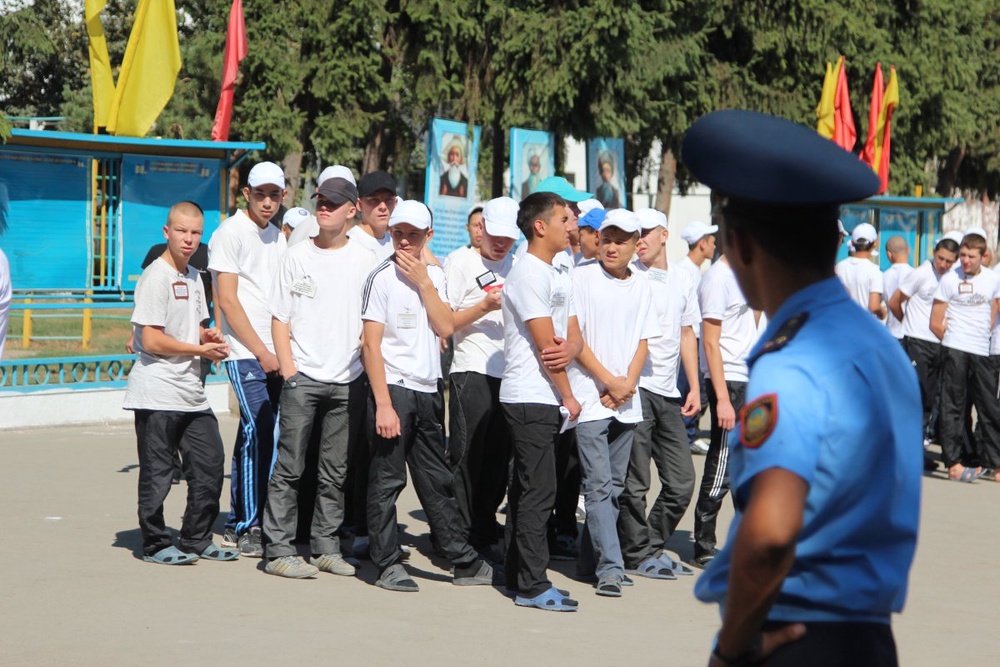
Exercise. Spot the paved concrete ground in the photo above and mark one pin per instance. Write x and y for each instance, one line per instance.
(73, 592)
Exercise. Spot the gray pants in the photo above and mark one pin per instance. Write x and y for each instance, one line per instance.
(605, 446)
(662, 439)
(305, 402)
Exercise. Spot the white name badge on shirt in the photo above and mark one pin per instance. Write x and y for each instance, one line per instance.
(965, 288)
(657, 275)
(406, 321)
(558, 300)
(486, 279)
(304, 287)
(180, 290)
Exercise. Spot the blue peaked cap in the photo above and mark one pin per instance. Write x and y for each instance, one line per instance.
(772, 161)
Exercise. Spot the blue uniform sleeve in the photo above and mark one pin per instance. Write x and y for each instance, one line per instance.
(779, 425)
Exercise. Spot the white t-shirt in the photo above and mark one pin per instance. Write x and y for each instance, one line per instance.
(409, 345)
(919, 287)
(720, 298)
(5, 298)
(969, 302)
(239, 246)
(460, 250)
(860, 277)
(891, 278)
(165, 298)
(563, 258)
(306, 229)
(614, 315)
(693, 271)
(675, 298)
(319, 295)
(479, 346)
(533, 290)
(381, 247)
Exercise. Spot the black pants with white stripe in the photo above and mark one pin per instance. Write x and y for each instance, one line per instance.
(715, 482)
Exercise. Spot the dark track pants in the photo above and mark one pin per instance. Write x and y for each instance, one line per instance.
(967, 376)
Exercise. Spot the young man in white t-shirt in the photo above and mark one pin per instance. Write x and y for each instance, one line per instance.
(309, 228)
(165, 392)
(541, 338)
(729, 330)
(916, 291)
(320, 359)
(661, 436)
(965, 306)
(589, 228)
(478, 442)
(244, 254)
(404, 312)
(898, 251)
(376, 200)
(859, 274)
(615, 311)
(474, 228)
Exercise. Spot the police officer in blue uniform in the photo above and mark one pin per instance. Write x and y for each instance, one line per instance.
(826, 459)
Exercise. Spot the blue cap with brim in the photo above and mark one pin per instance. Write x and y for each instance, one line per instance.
(771, 161)
(593, 218)
(560, 186)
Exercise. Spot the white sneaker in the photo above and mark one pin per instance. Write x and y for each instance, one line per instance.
(699, 446)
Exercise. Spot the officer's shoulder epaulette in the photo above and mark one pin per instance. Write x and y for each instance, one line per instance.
(785, 334)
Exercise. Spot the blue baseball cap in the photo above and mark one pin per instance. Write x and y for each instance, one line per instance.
(592, 218)
(560, 186)
(769, 161)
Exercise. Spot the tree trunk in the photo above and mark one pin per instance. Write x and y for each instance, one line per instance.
(373, 153)
(292, 166)
(665, 181)
(499, 149)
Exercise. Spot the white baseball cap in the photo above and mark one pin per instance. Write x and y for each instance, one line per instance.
(266, 173)
(955, 235)
(863, 233)
(623, 219)
(650, 218)
(978, 231)
(696, 231)
(412, 212)
(294, 216)
(588, 205)
(336, 171)
(500, 217)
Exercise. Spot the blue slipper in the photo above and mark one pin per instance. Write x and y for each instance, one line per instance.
(171, 556)
(654, 568)
(678, 568)
(213, 552)
(550, 600)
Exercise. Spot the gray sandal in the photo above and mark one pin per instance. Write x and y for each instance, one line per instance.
(395, 578)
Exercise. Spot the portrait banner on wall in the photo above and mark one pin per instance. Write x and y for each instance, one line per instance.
(606, 171)
(532, 159)
(450, 185)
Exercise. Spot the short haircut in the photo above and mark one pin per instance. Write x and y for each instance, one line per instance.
(801, 237)
(477, 209)
(974, 242)
(896, 244)
(862, 246)
(947, 244)
(536, 207)
(188, 208)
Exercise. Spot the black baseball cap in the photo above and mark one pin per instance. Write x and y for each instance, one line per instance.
(373, 182)
(338, 191)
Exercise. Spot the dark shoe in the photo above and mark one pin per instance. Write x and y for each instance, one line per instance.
(229, 538)
(704, 559)
(479, 573)
(564, 548)
(250, 543)
(395, 578)
(610, 586)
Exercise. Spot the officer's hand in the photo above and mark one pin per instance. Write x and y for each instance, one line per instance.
(726, 415)
(557, 356)
(692, 404)
(770, 642)
(269, 362)
(387, 422)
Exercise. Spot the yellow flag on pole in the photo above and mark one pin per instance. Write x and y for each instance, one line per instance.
(827, 99)
(883, 132)
(149, 70)
(101, 81)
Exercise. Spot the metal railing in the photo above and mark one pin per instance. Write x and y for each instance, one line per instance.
(108, 371)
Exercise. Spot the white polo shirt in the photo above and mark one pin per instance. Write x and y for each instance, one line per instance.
(381, 247)
(919, 287)
(533, 290)
(239, 246)
(614, 315)
(675, 299)
(176, 302)
(969, 300)
(319, 296)
(479, 346)
(860, 277)
(409, 345)
(891, 278)
(720, 298)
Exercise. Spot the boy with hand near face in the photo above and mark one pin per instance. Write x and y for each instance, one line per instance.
(167, 395)
(404, 313)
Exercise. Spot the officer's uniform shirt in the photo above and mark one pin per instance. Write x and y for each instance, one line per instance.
(833, 399)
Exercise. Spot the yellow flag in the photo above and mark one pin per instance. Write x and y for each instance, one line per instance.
(149, 70)
(826, 107)
(100, 64)
(890, 100)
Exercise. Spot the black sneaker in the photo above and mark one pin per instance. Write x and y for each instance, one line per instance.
(564, 548)
(250, 543)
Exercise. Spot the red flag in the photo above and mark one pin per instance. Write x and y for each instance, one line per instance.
(868, 154)
(844, 134)
(236, 50)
